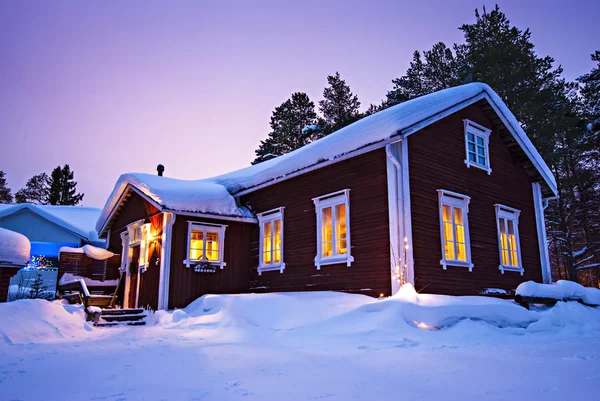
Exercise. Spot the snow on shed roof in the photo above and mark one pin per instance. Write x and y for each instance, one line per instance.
(406, 118)
(14, 248)
(213, 195)
(77, 219)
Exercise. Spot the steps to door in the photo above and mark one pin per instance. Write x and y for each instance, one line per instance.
(121, 317)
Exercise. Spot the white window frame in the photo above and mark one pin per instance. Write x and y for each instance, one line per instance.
(453, 200)
(220, 229)
(509, 213)
(270, 216)
(482, 132)
(145, 237)
(330, 200)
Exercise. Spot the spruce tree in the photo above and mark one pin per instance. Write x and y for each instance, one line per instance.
(340, 107)
(287, 127)
(590, 92)
(62, 187)
(5, 194)
(35, 191)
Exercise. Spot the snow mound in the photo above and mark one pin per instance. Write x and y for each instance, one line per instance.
(339, 314)
(30, 321)
(69, 278)
(90, 251)
(563, 290)
(14, 247)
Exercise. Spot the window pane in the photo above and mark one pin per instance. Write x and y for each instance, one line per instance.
(449, 250)
(471, 137)
(480, 150)
(461, 251)
(197, 245)
(511, 227)
(458, 215)
(266, 250)
(481, 160)
(277, 256)
(267, 229)
(277, 227)
(515, 259)
(340, 230)
(326, 216)
(471, 147)
(472, 157)
(479, 141)
(340, 212)
(212, 246)
(326, 249)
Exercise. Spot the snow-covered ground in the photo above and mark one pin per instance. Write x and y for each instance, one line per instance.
(306, 346)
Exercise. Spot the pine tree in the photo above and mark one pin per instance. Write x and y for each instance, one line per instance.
(438, 69)
(340, 107)
(39, 290)
(287, 124)
(590, 93)
(5, 194)
(62, 187)
(35, 191)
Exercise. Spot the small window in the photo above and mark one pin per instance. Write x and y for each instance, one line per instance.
(454, 229)
(271, 241)
(333, 229)
(205, 244)
(507, 220)
(138, 234)
(477, 146)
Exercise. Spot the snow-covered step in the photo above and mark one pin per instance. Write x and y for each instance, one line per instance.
(128, 311)
(113, 324)
(123, 318)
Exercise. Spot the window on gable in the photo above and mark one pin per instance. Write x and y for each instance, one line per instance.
(454, 229)
(333, 229)
(271, 240)
(507, 220)
(205, 244)
(477, 146)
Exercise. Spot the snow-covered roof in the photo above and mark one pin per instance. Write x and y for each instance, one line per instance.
(193, 196)
(14, 248)
(402, 119)
(77, 219)
(90, 251)
(215, 195)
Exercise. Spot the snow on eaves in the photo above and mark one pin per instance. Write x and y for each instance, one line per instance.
(77, 219)
(14, 248)
(193, 196)
(404, 118)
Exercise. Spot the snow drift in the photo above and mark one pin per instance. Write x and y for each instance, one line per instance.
(39, 321)
(327, 313)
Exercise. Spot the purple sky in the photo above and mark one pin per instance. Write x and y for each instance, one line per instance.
(117, 86)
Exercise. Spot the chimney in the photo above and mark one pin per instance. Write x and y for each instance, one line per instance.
(160, 168)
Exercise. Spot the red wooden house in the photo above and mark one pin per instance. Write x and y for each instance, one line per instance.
(444, 191)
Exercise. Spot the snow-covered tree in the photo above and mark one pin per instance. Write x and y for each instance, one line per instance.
(35, 191)
(590, 92)
(287, 124)
(5, 194)
(339, 106)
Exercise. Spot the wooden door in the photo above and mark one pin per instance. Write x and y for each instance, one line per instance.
(133, 277)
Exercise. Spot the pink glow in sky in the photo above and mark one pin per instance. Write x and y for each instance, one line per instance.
(116, 86)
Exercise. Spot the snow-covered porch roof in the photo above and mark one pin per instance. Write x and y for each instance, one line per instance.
(215, 196)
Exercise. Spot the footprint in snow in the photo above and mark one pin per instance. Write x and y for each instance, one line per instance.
(407, 343)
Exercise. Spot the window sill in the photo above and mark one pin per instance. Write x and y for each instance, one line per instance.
(268, 268)
(189, 263)
(333, 260)
(479, 166)
(515, 269)
(456, 263)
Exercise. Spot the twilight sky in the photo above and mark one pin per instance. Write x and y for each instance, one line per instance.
(116, 87)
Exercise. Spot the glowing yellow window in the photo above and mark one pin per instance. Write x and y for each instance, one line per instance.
(205, 243)
(508, 237)
(197, 245)
(271, 240)
(454, 229)
(212, 246)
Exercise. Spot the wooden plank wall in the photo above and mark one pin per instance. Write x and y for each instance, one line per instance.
(436, 161)
(6, 273)
(79, 264)
(186, 285)
(366, 176)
